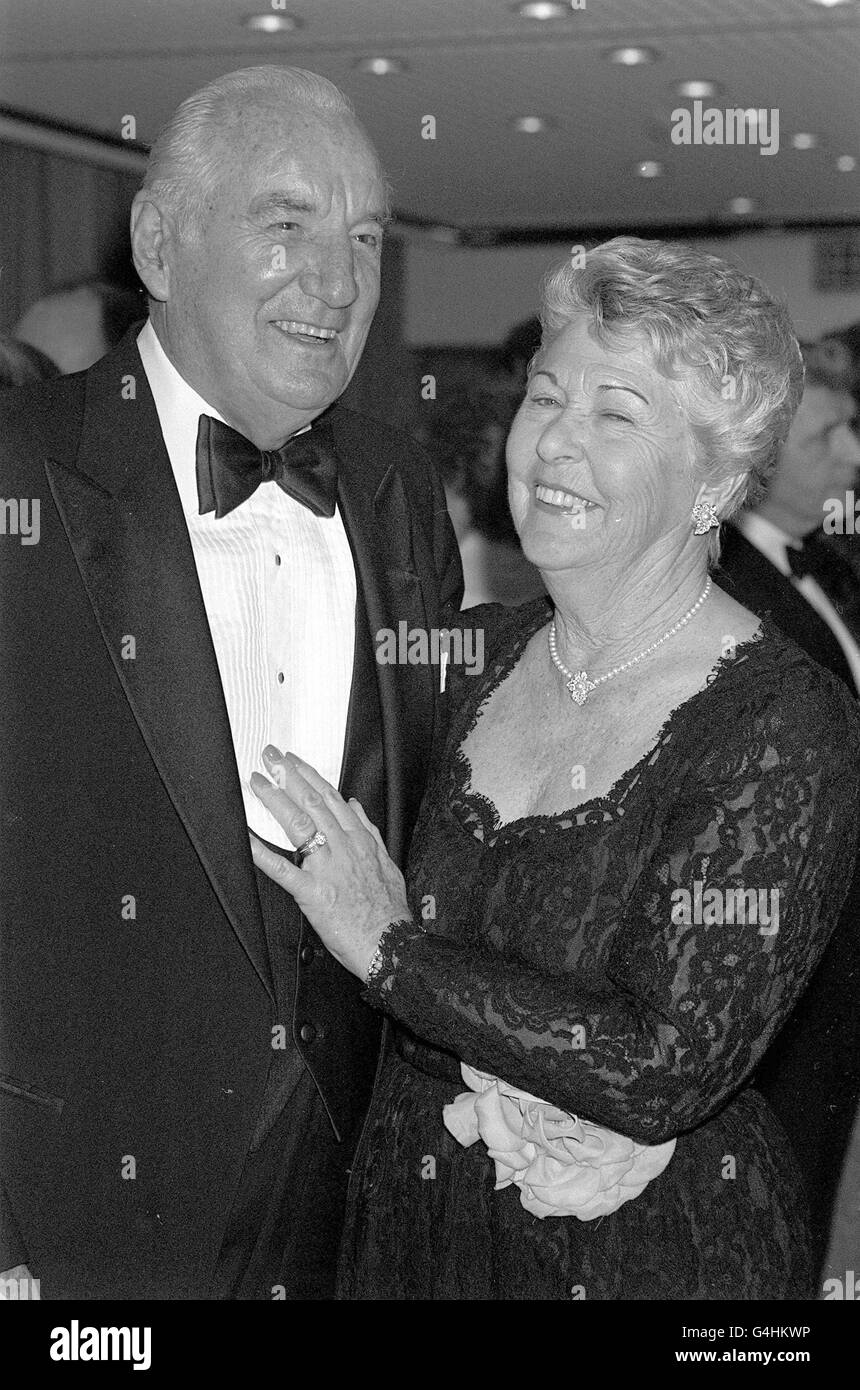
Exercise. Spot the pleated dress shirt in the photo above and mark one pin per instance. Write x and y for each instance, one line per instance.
(279, 588)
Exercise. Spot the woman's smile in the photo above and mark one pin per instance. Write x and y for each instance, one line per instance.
(556, 499)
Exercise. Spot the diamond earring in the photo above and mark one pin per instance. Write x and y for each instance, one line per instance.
(705, 516)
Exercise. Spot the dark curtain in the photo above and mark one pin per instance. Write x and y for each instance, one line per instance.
(60, 219)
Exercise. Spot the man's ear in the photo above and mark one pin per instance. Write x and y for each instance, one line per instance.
(151, 235)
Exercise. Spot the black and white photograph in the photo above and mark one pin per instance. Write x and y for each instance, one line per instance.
(429, 671)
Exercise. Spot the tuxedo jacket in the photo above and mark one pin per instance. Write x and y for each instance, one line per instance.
(811, 1073)
(135, 982)
(750, 578)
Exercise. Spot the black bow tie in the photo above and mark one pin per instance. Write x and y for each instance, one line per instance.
(230, 468)
(836, 576)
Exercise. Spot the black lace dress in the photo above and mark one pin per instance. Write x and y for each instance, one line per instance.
(528, 933)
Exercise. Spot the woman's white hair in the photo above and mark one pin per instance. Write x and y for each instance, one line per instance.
(708, 323)
(186, 159)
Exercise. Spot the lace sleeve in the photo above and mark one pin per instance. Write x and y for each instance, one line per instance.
(700, 977)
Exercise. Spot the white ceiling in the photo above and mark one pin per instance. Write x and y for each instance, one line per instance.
(474, 65)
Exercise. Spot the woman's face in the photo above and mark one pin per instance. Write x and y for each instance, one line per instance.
(600, 456)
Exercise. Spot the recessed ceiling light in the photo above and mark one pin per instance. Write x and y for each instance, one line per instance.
(649, 168)
(271, 23)
(631, 57)
(846, 164)
(697, 89)
(830, 4)
(380, 67)
(530, 125)
(543, 9)
(741, 205)
(804, 140)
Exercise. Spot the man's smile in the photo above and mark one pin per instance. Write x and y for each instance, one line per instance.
(310, 333)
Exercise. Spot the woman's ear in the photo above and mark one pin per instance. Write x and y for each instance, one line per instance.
(723, 496)
(150, 237)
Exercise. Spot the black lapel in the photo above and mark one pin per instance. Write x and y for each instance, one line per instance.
(750, 578)
(121, 511)
(390, 563)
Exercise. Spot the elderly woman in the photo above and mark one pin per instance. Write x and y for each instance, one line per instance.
(629, 860)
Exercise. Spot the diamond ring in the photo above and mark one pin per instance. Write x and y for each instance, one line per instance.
(311, 845)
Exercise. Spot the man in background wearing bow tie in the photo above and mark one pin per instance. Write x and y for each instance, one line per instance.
(184, 1069)
(778, 562)
(777, 557)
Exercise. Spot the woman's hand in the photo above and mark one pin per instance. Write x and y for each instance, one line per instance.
(349, 889)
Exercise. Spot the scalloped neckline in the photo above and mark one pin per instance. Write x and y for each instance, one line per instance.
(486, 811)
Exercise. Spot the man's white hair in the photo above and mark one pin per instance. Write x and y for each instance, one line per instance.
(185, 161)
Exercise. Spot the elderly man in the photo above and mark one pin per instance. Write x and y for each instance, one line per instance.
(778, 563)
(777, 558)
(184, 1068)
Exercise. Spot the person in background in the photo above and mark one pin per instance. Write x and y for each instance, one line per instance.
(21, 364)
(841, 351)
(77, 323)
(777, 561)
(466, 437)
(843, 1253)
(518, 349)
(776, 557)
(848, 339)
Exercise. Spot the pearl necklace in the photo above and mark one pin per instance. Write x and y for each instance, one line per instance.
(579, 684)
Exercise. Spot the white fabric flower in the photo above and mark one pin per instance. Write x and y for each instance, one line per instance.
(563, 1166)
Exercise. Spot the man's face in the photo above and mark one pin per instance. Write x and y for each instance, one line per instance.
(269, 305)
(819, 460)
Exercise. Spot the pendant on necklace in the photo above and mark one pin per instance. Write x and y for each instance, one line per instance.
(579, 686)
